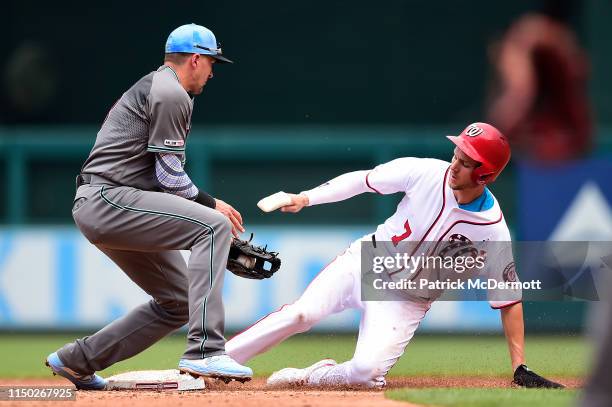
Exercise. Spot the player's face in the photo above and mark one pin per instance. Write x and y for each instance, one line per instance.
(461, 171)
(202, 72)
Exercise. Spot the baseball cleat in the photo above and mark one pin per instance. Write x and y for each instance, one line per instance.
(82, 382)
(220, 367)
(297, 377)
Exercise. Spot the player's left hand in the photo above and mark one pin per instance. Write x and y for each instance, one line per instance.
(232, 214)
(525, 377)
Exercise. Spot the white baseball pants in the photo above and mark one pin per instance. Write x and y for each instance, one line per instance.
(385, 328)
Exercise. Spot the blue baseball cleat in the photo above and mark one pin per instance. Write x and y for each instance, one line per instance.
(219, 367)
(82, 382)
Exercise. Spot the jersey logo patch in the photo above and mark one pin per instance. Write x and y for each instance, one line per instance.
(458, 246)
(510, 272)
(174, 143)
(473, 130)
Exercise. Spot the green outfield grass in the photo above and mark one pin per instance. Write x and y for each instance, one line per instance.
(486, 397)
(565, 356)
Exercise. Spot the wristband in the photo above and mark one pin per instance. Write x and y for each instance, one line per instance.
(205, 199)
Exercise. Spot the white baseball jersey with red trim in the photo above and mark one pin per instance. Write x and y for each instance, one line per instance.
(430, 212)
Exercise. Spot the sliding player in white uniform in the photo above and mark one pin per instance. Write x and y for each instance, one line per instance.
(441, 199)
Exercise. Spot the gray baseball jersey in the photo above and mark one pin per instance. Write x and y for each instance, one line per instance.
(141, 230)
(154, 115)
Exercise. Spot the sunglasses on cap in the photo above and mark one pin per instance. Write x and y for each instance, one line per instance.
(217, 51)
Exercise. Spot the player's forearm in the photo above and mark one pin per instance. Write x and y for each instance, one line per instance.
(338, 189)
(514, 329)
(172, 178)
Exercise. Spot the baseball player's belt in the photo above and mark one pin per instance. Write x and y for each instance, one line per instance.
(84, 179)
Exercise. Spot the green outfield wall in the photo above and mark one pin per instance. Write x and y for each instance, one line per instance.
(240, 164)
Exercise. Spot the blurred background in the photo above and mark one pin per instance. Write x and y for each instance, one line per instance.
(319, 88)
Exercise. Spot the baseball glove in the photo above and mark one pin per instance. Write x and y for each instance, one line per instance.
(248, 261)
(525, 377)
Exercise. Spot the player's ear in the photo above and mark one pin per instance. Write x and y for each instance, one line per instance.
(483, 179)
(194, 60)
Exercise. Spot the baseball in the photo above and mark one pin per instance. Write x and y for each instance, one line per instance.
(246, 261)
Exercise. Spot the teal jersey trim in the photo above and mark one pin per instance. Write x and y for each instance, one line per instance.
(482, 203)
(185, 218)
(156, 149)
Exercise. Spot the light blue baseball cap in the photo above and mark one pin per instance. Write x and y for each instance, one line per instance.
(195, 39)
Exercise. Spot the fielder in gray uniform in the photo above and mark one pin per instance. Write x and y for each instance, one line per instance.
(138, 206)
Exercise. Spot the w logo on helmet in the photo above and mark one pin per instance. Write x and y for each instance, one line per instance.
(473, 130)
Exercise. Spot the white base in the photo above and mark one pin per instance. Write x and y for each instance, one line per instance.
(156, 380)
(274, 201)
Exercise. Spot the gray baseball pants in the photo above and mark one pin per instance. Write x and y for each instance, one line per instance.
(142, 231)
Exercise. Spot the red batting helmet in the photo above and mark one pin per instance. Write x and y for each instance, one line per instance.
(485, 144)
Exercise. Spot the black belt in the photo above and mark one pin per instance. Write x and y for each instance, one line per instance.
(85, 179)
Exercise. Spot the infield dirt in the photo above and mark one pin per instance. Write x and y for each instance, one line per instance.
(254, 393)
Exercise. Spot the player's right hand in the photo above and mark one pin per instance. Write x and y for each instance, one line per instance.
(232, 214)
(297, 203)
